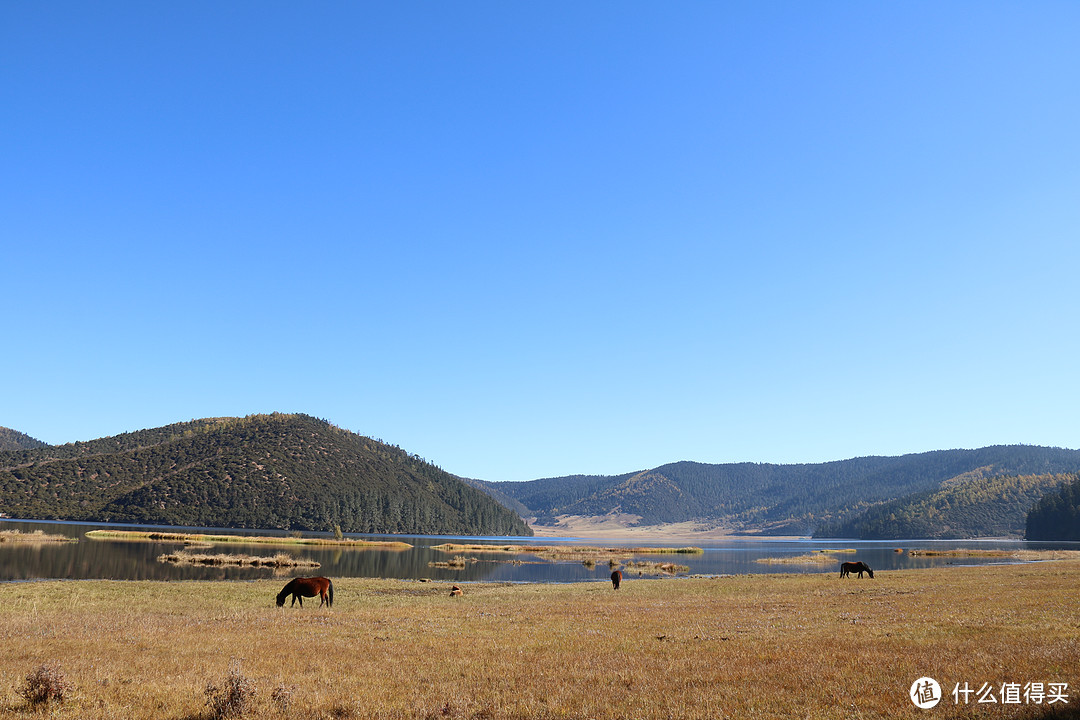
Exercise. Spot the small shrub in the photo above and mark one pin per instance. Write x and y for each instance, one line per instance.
(282, 697)
(46, 684)
(234, 697)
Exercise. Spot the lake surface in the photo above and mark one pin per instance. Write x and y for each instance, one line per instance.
(132, 560)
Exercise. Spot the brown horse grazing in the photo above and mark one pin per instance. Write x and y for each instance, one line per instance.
(616, 578)
(301, 588)
(859, 567)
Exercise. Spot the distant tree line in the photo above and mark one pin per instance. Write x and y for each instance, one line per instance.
(1057, 515)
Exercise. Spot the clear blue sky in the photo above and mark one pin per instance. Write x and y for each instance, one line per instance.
(530, 239)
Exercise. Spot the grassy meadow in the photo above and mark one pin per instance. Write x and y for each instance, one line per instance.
(761, 646)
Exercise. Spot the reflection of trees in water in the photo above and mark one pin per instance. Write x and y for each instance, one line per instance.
(120, 560)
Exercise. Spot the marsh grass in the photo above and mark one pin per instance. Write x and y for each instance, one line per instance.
(35, 537)
(643, 567)
(566, 550)
(1025, 555)
(614, 557)
(278, 560)
(756, 646)
(457, 563)
(294, 539)
(814, 558)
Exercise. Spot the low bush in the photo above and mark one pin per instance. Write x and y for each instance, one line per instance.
(235, 696)
(44, 685)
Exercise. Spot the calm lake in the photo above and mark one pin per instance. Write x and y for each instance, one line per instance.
(128, 560)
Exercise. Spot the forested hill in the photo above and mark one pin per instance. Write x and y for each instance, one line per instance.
(14, 440)
(777, 499)
(262, 471)
(1057, 515)
(972, 506)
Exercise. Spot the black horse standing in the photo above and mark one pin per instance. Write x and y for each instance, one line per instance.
(616, 579)
(301, 588)
(859, 567)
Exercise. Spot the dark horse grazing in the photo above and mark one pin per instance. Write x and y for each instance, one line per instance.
(616, 578)
(301, 588)
(859, 567)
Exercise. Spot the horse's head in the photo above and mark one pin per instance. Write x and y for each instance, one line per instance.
(870, 573)
(281, 599)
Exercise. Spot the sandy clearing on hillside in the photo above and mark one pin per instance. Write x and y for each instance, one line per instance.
(622, 526)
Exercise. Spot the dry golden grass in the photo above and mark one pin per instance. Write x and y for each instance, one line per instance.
(278, 560)
(37, 536)
(762, 646)
(815, 558)
(566, 550)
(1025, 555)
(646, 567)
(457, 563)
(588, 555)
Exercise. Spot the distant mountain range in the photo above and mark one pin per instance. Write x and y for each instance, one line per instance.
(946, 493)
(298, 472)
(292, 472)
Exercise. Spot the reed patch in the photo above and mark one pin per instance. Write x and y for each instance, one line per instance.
(33, 538)
(155, 536)
(589, 556)
(815, 558)
(279, 560)
(1024, 555)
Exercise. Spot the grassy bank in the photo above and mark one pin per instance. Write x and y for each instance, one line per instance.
(37, 537)
(279, 560)
(566, 551)
(768, 646)
(203, 538)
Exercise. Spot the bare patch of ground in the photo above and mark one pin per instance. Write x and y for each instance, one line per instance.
(625, 526)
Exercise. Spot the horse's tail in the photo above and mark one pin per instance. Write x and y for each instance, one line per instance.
(330, 592)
